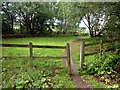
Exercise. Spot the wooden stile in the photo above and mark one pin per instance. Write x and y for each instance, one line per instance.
(68, 50)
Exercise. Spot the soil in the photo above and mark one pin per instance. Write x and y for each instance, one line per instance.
(102, 80)
(78, 80)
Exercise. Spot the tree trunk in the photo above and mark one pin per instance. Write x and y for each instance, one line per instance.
(12, 24)
(89, 26)
(21, 31)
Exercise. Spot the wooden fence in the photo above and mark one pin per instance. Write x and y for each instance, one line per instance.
(31, 57)
(68, 48)
(100, 50)
(100, 43)
(83, 46)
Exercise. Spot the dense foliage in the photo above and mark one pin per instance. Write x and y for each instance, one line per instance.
(105, 66)
(113, 25)
(30, 17)
(34, 18)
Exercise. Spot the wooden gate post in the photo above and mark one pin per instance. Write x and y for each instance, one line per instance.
(82, 51)
(31, 52)
(68, 58)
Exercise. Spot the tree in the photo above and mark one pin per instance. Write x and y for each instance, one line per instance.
(31, 16)
(7, 18)
(112, 27)
(94, 14)
(34, 16)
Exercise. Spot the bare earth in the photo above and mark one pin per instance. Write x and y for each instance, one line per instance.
(79, 81)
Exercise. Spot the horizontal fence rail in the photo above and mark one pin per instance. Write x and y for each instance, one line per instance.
(87, 54)
(35, 57)
(90, 44)
(83, 46)
(106, 41)
(30, 46)
(34, 46)
(101, 45)
(107, 50)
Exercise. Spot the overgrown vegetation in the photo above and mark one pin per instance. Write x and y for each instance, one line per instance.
(19, 74)
(104, 68)
(36, 18)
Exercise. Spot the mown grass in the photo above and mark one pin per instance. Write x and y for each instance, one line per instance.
(42, 40)
(36, 41)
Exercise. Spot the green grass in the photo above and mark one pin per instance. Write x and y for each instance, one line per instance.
(18, 72)
(37, 41)
(41, 40)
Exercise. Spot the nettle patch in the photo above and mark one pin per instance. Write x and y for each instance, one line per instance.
(30, 79)
(105, 70)
(19, 74)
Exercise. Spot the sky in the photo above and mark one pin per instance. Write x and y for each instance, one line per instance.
(83, 25)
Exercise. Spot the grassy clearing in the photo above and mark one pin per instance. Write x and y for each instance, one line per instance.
(42, 40)
(36, 41)
(18, 73)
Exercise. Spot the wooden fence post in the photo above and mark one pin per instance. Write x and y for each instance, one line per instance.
(82, 47)
(31, 52)
(101, 49)
(68, 58)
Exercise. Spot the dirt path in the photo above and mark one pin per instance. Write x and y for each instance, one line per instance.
(79, 82)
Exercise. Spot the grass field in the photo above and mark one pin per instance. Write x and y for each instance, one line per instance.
(17, 73)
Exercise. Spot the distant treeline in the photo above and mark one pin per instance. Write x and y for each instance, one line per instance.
(37, 18)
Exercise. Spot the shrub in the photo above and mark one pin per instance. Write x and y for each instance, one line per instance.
(107, 67)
